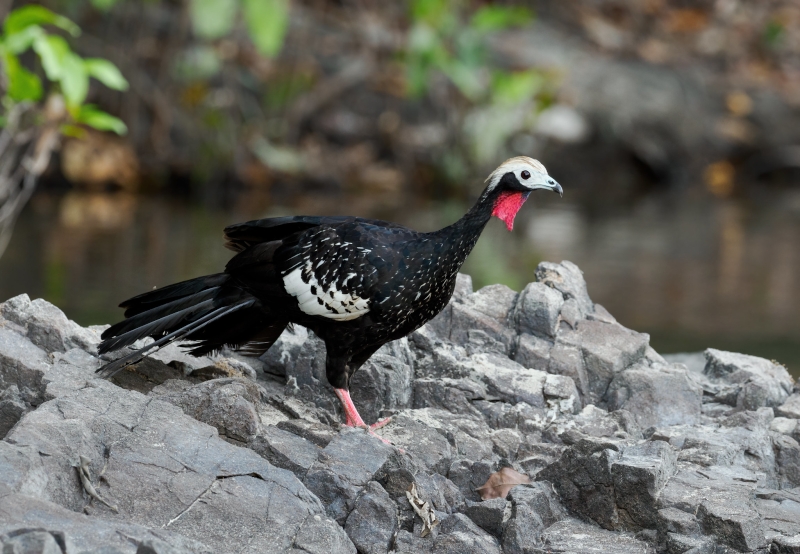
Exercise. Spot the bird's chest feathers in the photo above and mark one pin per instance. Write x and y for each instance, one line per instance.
(507, 205)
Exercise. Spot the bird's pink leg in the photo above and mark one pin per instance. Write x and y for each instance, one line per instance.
(352, 417)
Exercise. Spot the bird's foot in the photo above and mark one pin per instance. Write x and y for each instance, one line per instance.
(378, 424)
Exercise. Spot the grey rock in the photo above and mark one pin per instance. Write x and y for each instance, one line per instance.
(157, 546)
(453, 395)
(539, 497)
(384, 382)
(488, 514)
(31, 542)
(743, 440)
(146, 446)
(662, 397)
(680, 544)
(787, 456)
(532, 457)
(439, 492)
(506, 443)
(373, 522)
(12, 408)
(436, 357)
(734, 525)
(583, 479)
(672, 520)
(607, 349)
(488, 310)
(408, 543)
(509, 381)
(47, 326)
(567, 279)
(616, 486)
(639, 476)
(227, 404)
(468, 475)
(566, 358)
(285, 450)
(459, 535)
(532, 351)
(790, 408)
(572, 536)
(522, 532)
(416, 434)
(343, 468)
(760, 382)
(23, 514)
(786, 545)
(561, 394)
(315, 432)
(780, 511)
(319, 535)
(24, 365)
(537, 310)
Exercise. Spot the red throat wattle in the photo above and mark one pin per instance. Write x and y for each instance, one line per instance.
(507, 205)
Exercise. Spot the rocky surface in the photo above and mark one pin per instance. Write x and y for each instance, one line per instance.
(627, 451)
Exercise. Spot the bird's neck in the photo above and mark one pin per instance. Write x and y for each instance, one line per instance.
(462, 235)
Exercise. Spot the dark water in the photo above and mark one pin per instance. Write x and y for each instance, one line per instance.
(693, 272)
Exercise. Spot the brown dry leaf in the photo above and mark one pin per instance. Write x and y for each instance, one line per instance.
(501, 482)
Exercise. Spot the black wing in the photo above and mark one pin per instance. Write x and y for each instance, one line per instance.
(240, 236)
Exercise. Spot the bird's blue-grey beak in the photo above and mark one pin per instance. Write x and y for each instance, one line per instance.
(555, 187)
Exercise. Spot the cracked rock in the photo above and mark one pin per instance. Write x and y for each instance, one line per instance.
(343, 468)
(373, 522)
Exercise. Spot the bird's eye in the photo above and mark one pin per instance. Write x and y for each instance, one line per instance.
(526, 174)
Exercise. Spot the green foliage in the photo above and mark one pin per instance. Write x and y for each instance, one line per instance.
(443, 39)
(104, 5)
(266, 21)
(446, 39)
(64, 69)
(213, 19)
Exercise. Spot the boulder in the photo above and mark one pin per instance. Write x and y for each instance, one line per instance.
(656, 397)
(344, 468)
(758, 382)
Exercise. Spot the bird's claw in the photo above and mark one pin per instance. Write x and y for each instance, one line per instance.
(379, 424)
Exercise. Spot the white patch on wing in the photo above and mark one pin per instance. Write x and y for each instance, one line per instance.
(309, 302)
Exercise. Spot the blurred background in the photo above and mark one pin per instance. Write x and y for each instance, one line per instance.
(673, 126)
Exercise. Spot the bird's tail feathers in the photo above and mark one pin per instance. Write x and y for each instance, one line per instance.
(110, 369)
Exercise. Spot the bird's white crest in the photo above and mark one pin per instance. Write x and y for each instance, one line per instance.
(516, 166)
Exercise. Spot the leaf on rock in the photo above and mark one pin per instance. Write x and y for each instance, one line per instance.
(423, 510)
(501, 482)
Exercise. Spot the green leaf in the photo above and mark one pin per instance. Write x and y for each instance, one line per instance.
(433, 12)
(212, 19)
(32, 14)
(104, 5)
(100, 120)
(105, 72)
(466, 78)
(22, 84)
(495, 18)
(267, 22)
(17, 43)
(52, 50)
(74, 80)
(512, 88)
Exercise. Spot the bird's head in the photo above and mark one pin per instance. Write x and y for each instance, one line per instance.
(512, 182)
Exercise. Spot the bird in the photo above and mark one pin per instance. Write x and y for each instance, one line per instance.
(356, 283)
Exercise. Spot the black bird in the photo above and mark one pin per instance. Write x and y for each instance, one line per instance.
(356, 283)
